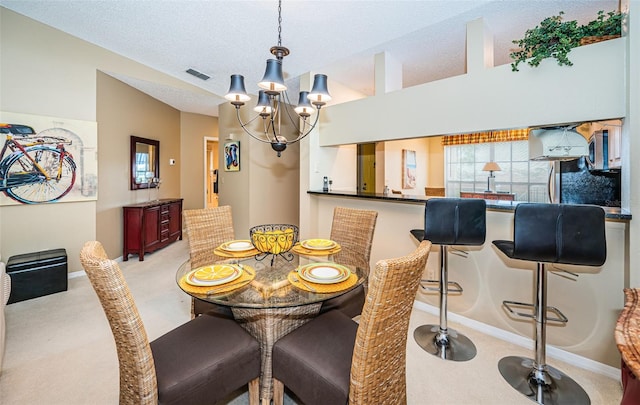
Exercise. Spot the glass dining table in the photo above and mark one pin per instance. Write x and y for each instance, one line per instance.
(273, 296)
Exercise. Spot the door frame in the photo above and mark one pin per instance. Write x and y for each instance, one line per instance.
(204, 165)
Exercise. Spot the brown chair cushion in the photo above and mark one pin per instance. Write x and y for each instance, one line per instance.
(192, 361)
(350, 303)
(326, 345)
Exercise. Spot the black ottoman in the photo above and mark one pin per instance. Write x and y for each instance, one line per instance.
(37, 274)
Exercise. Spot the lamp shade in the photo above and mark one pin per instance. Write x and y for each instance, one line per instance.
(237, 92)
(304, 107)
(319, 94)
(263, 107)
(273, 80)
(491, 167)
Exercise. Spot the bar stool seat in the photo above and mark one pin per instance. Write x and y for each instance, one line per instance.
(550, 233)
(449, 221)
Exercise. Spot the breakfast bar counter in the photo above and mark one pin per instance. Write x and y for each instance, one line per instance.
(591, 301)
(611, 213)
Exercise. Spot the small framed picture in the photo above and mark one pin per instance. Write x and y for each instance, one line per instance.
(232, 156)
(408, 168)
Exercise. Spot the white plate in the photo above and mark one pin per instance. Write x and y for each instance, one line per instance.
(237, 246)
(213, 275)
(318, 244)
(324, 273)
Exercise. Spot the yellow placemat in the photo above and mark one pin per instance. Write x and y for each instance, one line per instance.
(315, 252)
(321, 288)
(238, 255)
(245, 278)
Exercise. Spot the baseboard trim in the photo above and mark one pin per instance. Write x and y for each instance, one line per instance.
(76, 274)
(554, 352)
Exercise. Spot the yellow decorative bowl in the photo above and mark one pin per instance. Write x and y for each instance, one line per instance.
(274, 238)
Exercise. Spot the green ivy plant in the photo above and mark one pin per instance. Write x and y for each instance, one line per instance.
(554, 38)
(609, 24)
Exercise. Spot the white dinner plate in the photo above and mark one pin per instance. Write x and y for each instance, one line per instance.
(237, 246)
(213, 275)
(324, 273)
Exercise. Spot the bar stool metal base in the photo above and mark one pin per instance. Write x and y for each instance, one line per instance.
(449, 346)
(550, 388)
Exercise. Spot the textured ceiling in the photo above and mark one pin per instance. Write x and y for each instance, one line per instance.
(338, 38)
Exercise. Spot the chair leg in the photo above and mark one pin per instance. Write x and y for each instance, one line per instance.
(278, 392)
(534, 378)
(439, 340)
(254, 391)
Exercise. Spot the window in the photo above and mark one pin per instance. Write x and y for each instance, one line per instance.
(520, 176)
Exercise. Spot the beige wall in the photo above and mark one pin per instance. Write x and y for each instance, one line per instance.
(123, 111)
(265, 189)
(193, 129)
(50, 73)
(43, 73)
(393, 164)
(435, 162)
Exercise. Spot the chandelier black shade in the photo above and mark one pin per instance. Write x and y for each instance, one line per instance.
(272, 99)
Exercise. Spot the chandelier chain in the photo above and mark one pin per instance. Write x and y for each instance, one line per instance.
(279, 22)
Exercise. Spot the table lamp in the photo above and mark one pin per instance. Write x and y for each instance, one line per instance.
(491, 167)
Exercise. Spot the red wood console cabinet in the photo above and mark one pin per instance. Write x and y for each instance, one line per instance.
(150, 226)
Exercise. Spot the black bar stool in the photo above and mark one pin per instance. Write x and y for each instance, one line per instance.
(550, 233)
(449, 221)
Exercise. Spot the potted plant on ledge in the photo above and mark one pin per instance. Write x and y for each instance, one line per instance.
(554, 38)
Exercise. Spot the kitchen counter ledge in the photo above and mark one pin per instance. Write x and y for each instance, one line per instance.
(611, 213)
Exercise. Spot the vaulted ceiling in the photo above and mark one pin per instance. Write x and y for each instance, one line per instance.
(339, 38)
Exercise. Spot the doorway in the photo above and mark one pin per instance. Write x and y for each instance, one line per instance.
(367, 168)
(211, 172)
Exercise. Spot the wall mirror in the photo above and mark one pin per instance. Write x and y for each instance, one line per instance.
(145, 163)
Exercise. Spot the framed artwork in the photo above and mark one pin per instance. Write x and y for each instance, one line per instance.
(232, 156)
(47, 159)
(408, 168)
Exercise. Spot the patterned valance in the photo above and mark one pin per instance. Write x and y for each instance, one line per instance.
(505, 135)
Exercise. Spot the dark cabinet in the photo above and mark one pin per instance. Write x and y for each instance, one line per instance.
(150, 226)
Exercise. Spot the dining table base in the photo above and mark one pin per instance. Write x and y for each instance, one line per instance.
(268, 325)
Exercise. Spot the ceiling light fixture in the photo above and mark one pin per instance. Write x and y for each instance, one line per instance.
(273, 96)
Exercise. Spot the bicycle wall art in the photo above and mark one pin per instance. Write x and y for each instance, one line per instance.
(47, 160)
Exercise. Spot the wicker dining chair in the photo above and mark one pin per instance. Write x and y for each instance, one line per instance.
(353, 230)
(201, 361)
(207, 229)
(346, 362)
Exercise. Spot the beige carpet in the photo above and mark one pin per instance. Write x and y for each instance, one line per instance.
(60, 349)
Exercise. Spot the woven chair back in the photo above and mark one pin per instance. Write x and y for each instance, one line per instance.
(378, 366)
(138, 383)
(207, 229)
(353, 230)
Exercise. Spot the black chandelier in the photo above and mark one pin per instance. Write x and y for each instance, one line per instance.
(273, 96)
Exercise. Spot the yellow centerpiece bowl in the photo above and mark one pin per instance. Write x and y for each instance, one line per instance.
(274, 238)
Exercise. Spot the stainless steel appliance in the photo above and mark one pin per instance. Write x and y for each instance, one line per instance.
(598, 157)
(572, 182)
